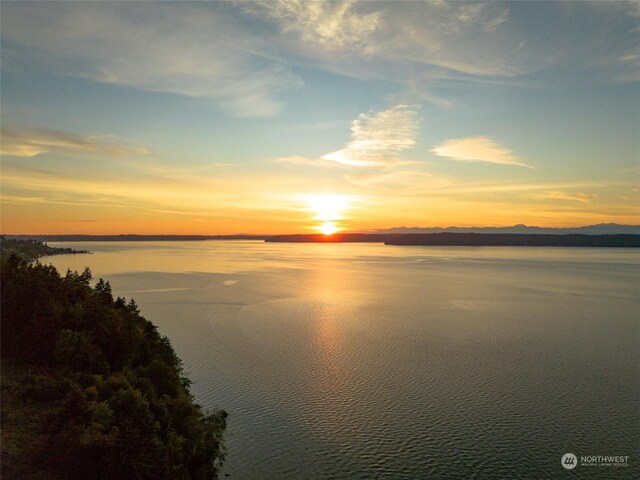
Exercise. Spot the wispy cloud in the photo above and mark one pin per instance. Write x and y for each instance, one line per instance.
(402, 42)
(378, 137)
(451, 35)
(28, 142)
(426, 33)
(438, 34)
(241, 56)
(576, 197)
(188, 49)
(477, 149)
(331, 24)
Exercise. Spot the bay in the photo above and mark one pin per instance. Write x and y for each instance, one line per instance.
(369, 361)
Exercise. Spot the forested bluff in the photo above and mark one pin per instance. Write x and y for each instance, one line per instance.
(90, 388)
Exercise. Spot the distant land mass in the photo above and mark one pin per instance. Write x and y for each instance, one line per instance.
(469, 239)
(30, 250)
(599, 229)
(515, 240)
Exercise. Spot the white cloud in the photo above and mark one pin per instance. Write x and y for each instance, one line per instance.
(378, 137)
(477, 149)
(29, 142)
(371, 159)
(187, 49)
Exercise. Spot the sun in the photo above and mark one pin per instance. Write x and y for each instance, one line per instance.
(328, 210)
(328, 228)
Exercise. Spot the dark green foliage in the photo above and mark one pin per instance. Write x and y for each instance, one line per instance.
(102, 390)
(30, 249)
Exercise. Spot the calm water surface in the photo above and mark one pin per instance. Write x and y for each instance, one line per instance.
(370, 361)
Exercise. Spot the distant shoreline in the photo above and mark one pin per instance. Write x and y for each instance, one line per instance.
(517, 240)
(471, 239)
(134, 238)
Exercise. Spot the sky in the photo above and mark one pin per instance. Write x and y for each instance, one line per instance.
(289, 116)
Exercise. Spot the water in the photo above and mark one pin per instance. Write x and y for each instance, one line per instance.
(357, 361)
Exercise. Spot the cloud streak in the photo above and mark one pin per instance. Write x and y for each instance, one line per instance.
(575, 197)
(477, 149)
(378, 137)
(29, 142)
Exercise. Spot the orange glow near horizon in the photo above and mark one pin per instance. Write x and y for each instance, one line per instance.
(62, 210)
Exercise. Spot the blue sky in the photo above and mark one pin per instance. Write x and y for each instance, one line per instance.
(291, 116)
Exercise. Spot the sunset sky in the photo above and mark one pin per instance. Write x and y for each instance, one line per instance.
(297, 117)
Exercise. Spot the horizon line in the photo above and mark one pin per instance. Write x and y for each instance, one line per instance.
(360, 232)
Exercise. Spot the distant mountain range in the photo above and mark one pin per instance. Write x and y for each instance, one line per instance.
(600, 229)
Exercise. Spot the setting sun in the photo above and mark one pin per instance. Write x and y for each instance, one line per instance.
(329, 210)
(328, 228)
